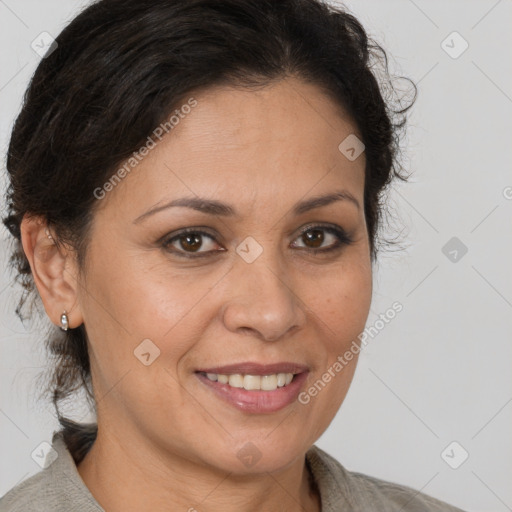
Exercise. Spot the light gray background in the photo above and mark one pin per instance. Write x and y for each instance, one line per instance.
(440, 371)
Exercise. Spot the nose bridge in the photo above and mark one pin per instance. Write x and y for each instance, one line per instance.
(263, 300)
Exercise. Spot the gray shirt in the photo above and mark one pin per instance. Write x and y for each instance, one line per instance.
(59, 488)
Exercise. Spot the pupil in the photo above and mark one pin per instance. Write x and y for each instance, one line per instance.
(194, 245)
(316, 239)
(193, 241)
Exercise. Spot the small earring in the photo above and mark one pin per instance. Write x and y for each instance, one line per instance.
(64, 322)
(48, 234)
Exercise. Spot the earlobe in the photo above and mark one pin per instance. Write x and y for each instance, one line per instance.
(54, 271)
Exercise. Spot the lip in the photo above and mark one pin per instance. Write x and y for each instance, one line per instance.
(251, 368)
(256, 401)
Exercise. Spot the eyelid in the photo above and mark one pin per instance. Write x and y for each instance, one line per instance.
(343, 239)
(168, 239)
(325, 226)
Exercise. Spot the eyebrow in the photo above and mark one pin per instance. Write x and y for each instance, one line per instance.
(214, 207)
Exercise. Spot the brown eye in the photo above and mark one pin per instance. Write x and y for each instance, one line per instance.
(313, 237)
(193, 243)
(189, 242)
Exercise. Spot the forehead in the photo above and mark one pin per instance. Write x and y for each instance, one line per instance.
(249, 145)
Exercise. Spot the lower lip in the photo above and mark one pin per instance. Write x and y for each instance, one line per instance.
(257, 401)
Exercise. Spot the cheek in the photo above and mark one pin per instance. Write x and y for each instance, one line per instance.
(342, 304)
(133, 300)
(344, 298)
(135, 296)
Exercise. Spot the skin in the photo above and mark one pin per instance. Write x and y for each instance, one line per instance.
(163, 436)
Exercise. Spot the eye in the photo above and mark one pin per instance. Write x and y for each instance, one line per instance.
(188, 242)
(314, 237)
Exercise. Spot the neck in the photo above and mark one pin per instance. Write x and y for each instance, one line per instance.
(133, 476)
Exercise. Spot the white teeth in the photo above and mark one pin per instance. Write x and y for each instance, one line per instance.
(268, 382)
(236, 381)
(223, 379)
(253, 382)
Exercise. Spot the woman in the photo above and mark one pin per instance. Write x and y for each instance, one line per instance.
(196, 191)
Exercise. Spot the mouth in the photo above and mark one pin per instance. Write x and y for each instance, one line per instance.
(253, 387)
(252, 382)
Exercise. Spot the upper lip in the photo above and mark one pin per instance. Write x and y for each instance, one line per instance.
(249, 368)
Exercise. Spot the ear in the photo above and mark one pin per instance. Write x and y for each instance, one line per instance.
(54, 270)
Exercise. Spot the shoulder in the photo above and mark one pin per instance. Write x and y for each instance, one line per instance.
(341, 489)
(31, 495)
(56, 488)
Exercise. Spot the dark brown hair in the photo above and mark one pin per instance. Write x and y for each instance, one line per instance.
(121, 66)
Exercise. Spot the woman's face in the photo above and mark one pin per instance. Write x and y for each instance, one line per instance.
(244, 287)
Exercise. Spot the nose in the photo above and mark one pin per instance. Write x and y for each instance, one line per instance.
(262, 300)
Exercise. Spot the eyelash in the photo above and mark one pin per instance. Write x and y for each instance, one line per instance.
(343, 239)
